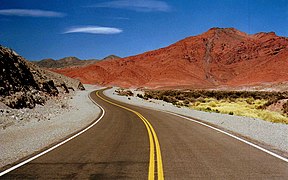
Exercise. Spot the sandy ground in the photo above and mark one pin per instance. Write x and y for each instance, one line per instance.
(22, 135)
(274, 135)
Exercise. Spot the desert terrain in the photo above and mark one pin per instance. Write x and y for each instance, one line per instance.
(221, 58)
(231, 81)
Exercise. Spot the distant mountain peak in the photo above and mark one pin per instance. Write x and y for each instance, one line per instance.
(112, 56)
(224, 32)
(264, 34)
(70, 61)
(218, 29)
(70, 58)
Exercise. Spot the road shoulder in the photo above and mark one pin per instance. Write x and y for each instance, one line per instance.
(23, 140)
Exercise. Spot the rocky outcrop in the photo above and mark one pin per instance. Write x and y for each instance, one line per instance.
(23, 84)
(220, 57)
(80, 86)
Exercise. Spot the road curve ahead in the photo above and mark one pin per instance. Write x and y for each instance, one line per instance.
(131, 142)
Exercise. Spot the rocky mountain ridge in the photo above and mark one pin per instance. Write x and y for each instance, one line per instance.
(220, 57)
(23, 84)
(69, 62)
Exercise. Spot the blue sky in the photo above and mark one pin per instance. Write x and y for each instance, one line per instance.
(87, 29)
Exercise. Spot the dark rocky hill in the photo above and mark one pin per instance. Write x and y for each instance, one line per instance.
(23, 84)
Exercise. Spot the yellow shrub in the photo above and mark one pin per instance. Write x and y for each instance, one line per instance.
(241, 107)
(212, 104)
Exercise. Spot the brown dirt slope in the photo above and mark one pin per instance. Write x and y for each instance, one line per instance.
(218, 57)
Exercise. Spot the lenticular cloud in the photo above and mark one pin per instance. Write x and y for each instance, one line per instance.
(94, 30)
(30, 13)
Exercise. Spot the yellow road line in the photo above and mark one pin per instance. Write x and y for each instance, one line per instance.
(153, 139)
(158, 151)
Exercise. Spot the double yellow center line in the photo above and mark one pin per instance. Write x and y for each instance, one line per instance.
(154, 144)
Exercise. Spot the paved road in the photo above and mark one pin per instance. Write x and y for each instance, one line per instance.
(123, 145)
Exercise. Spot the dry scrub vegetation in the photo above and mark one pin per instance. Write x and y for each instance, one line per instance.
(270, 106)
(124, 92)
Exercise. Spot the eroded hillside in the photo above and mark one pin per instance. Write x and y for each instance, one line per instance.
(217, 58)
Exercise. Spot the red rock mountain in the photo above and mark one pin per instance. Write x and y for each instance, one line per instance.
(218, 57)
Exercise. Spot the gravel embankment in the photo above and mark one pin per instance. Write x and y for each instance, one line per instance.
(22, 132)
(272, 135)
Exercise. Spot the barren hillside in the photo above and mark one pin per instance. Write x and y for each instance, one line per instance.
(216, 58)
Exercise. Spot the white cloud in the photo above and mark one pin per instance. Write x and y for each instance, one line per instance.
(30, 13)
(136, 5)
(94, 30)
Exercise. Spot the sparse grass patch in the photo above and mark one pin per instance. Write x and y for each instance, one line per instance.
(242, 107)
(242, 103)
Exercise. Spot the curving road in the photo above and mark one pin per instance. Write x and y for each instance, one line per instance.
(131, 142)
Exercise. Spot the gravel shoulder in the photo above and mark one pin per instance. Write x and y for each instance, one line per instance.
(25, 131)
(271, 135)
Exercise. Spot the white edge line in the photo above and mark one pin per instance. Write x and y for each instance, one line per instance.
(224, 132)
(231, 135)
(57, 145)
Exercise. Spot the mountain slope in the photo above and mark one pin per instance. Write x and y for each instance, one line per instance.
(23, 84)
(69, 62)
(64, 62)
(218, 57)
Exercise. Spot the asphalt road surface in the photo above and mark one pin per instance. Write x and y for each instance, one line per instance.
(131, 142)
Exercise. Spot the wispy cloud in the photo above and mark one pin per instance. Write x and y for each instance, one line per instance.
(30, 13)
(94, 30)
(136, 5)
(120, 18)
